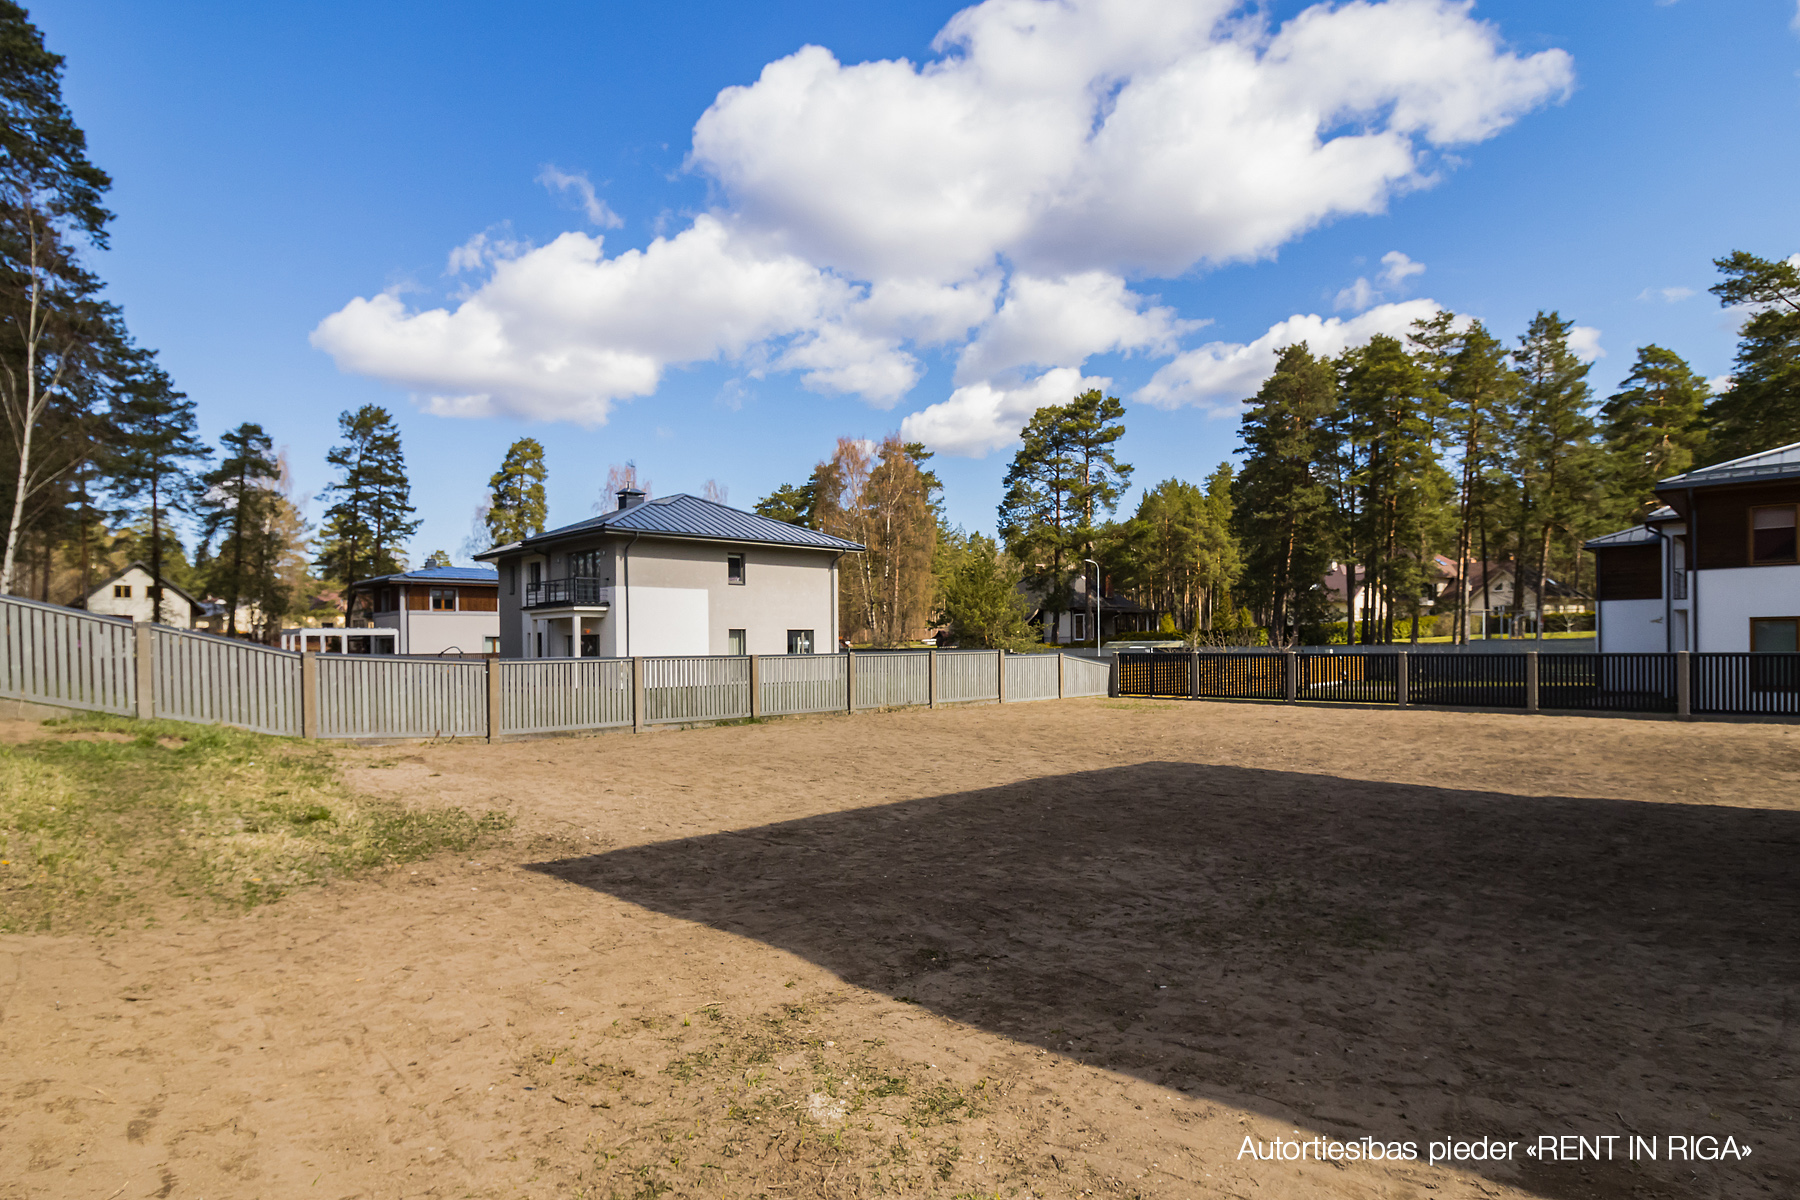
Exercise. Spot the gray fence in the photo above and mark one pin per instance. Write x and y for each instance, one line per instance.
(71, 659)
(60, 656)
(222, 681)
(893, 680)
(370, 697)
(564, 696)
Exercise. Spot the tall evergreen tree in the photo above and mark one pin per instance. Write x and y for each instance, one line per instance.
(1471, 371)
(1762, 408)
(155, 448)
(1654, 429)
(1554, 450)
(1065, 474)
(978, 595)
(50, 317)
(795, 504)
(370, 518)
(239, 507)
(1280, 504)
(516, 505)
(1385, 426)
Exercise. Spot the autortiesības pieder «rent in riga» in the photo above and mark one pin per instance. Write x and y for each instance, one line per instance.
(1545, 1148)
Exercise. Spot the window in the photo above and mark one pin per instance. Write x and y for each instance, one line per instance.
(534, 575)
(1080, 627)
(540, 645)
(736, 642)
(1772, 534)
(443, 599)
(734, 570)
(154, 592)
(121, 591)
(490, 645)
(586, 564)
(1775, 635)
(800, 641)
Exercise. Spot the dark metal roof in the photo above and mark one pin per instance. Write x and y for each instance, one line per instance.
(439, 575)
(684, 516)
(1783, 462)
(1637, 535)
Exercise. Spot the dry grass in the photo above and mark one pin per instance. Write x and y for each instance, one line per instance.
(106, 823)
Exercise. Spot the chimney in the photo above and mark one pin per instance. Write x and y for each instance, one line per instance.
(629, 497)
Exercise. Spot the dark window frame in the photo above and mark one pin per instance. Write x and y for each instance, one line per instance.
(121, 591)
(1755, 621)
(435, 594)
(803, 638)
(1750, 531)
(736, 569)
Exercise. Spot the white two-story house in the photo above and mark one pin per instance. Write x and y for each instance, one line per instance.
(1716, 569)
(677, 575)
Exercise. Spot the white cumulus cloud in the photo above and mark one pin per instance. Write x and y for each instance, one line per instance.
(1219, 376)
(990, 203)
(1668, 295)
(1584, 341)
(985, 416)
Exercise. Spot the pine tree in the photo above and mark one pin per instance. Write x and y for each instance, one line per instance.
(155, 448)
(1654, 429)
(51, 321)
(368, 523)
(797, 505)
(1762, 408)
(1065, 474)
(979, 599)
(1554, 455)
(516, 505)
(1281, 507)
(239, 508)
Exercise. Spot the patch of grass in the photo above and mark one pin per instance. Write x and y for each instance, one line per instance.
(107, 822)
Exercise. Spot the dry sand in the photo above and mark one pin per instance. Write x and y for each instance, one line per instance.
(1050, 950)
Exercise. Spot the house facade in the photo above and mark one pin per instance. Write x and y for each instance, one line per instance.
(131, 594)
(434, 610)
(1717, 568)
(677, 575)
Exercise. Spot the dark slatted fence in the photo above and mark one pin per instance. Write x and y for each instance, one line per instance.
(1153, 675)
(1241, 676)
(1466, 680)
(1354, 678)
(1607, 682)
(1747, 684)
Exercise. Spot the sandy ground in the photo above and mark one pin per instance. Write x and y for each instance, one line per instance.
(1063, 949)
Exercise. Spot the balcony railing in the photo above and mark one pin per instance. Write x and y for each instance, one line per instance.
(559, 593)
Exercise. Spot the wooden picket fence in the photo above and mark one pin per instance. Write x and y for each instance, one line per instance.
(71, 659)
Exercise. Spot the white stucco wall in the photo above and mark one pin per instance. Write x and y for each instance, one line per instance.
(427, 632)
(1632, 627)
(668, 620)
(782, 590)
(1729, 599)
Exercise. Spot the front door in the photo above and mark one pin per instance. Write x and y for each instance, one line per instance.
(590, 645)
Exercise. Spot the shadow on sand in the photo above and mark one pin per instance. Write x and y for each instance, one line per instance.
(1358, 958)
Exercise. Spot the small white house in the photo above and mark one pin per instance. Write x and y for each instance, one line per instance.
(132, 594)
(1716, 569)
(678, 575)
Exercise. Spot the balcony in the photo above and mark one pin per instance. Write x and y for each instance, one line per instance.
(577, 591)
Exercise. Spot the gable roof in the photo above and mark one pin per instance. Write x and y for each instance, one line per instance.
(438, 575)
(1783, 462)
(139, 565)
(688, 517)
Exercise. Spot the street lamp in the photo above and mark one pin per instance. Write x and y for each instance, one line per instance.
(1096, 605)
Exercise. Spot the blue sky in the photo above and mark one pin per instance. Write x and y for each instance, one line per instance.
(1142, 192)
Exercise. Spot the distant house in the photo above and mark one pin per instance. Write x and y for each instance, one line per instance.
(1716, 569)
(678, 575)
(132, 594)
(1118, 615)
(434, 610)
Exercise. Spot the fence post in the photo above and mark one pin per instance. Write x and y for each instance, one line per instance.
(637, 693)
(1400, 681)
(1062, 665)
(1531, 681)
(1194, 674)
(1112, 676)
(755, 687)
(1684, 685)
(1290, 676)
(146, 670)
(931, 678)
(849, 681)
(1000, 674)
(493, 699)
(309, 694)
